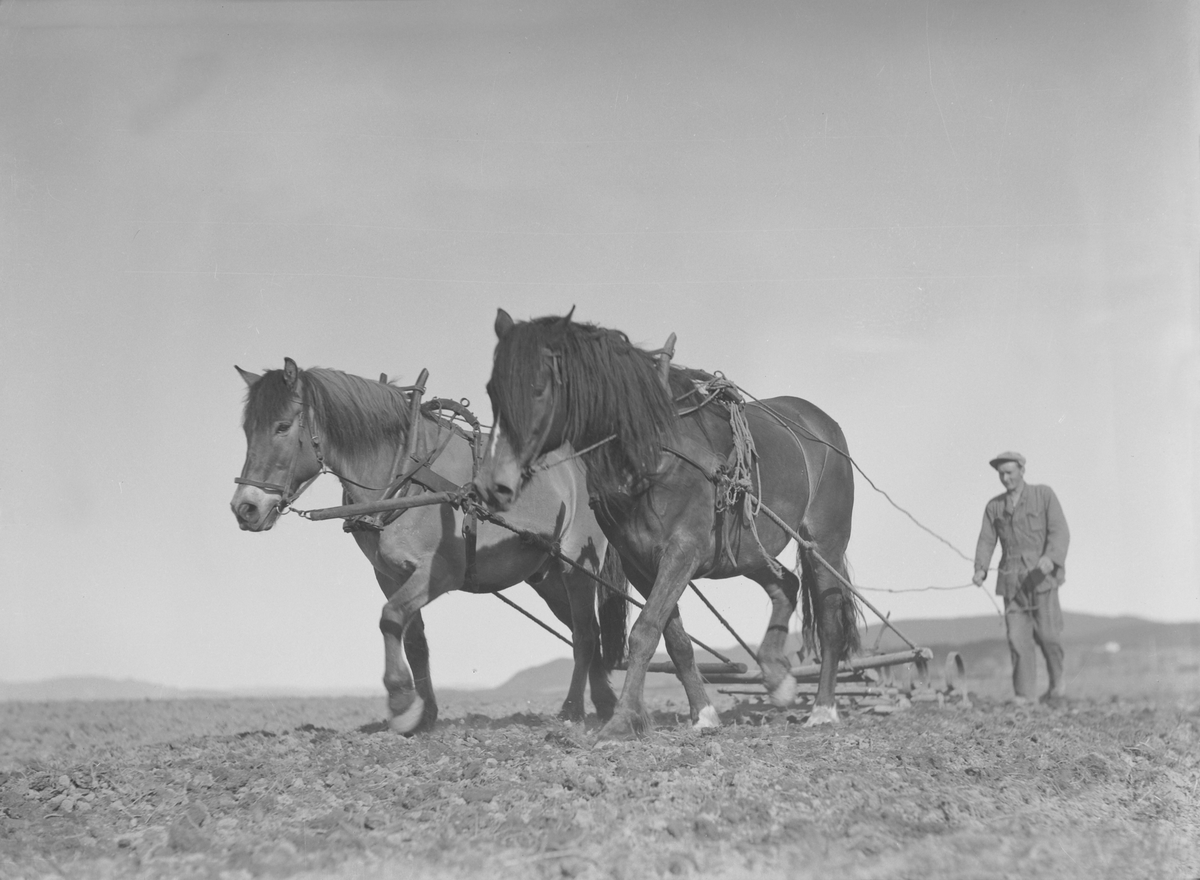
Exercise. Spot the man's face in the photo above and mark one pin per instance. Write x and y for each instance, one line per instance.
(1012, 475)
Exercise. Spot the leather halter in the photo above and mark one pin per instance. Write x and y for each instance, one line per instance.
(284, 492)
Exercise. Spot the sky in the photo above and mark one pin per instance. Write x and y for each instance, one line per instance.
(959, 228)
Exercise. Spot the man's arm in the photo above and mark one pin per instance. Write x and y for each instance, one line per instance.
(1058, 536)
(984, 547)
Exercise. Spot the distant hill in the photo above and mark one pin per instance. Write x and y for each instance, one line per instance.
(1078, 629)
(98, 688)
(94, 688)
(980, 640)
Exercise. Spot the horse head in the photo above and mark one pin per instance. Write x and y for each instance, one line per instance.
(281, 454)
(525, 392)
(557, 381)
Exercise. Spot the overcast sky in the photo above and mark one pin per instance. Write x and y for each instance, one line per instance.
(959, 228)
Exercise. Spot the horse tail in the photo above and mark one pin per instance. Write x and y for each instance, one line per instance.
(851, 614)
(613, 611)
(808, 589)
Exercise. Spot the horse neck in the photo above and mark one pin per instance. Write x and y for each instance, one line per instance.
(374, 469)
(369, 467)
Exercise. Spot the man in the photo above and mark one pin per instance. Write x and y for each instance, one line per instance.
(1029, 523)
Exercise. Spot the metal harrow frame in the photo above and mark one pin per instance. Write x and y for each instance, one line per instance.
(868, 675)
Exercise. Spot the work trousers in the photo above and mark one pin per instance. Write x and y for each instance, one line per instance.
(1034, 620)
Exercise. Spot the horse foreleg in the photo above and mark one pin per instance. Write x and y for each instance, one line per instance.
(629, 717)
(406, 706)
(416, 650)
(556, 595)
(679, 647)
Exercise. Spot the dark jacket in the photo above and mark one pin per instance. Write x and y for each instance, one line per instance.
(1035, 528)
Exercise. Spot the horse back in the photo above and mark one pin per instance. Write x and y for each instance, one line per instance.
(803, 458)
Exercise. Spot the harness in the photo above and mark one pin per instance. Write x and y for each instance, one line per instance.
(419, 467)
(734, 476)
(421, 473)
(285, 494)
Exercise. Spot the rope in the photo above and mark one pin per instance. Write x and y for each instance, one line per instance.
(543, 466)
(737, 482)
(991, 598)
(812, 549)
(849, 458)
(913, 589)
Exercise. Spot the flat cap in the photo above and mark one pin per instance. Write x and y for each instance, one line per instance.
(1007, 456)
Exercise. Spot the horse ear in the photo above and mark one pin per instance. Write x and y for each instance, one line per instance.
(250, 378)
(383, 378)
(291, 373)
(504, 323)
(567, 318)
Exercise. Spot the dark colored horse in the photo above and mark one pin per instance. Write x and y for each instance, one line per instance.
(659, 479)
(301, 422)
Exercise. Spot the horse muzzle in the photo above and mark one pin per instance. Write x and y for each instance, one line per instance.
(254, 514)
(496, 494)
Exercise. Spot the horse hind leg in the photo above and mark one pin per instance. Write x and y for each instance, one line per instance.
(577, 614)
(612, 613)
(837, 628)
(416, 649)
(783, 589)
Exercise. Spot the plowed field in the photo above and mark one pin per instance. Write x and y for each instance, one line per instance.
(261, 788)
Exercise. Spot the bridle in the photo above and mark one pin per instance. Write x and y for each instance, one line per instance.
(286, 496)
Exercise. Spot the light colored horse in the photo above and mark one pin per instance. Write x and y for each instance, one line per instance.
(299, 423)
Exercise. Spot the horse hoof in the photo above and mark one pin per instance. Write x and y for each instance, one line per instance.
(408, 720)
(822, 715)
(708, 719)
(616, 731)
(785, 693)
(571, 713)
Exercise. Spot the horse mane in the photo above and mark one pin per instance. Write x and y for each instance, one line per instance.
(354, 415)
(609, 386)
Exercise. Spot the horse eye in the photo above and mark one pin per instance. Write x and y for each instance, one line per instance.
(283, 427)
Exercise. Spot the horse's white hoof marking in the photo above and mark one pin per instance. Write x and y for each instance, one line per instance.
(708, 718)
(407, 721)
(785, 693)
(823, 715)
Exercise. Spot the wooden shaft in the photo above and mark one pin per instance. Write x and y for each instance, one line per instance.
(405, 451)
(878, 661)
(705, 668)
(851, 691)
(383, 505)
